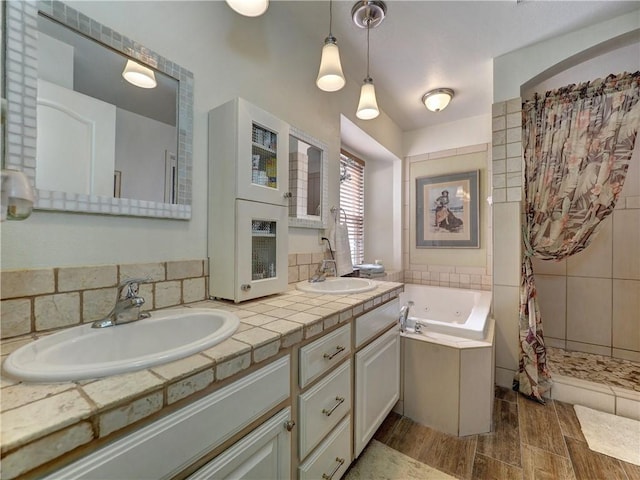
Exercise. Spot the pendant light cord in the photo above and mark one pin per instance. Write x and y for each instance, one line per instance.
(368, 20)
(330, 17)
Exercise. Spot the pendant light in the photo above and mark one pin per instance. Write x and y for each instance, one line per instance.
(249, 8)
(330, 76)
(368, 14)
(139, 75)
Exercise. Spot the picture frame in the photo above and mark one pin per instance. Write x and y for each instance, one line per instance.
(447, 211)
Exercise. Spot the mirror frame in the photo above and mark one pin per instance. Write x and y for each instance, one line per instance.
(21, 63)
(310, 221)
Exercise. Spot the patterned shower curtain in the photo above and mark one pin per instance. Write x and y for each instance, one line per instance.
(577, 141)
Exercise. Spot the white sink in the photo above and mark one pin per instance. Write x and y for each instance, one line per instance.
(84, 352)
(338, 285)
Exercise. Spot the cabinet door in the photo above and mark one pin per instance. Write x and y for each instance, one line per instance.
(263, 454)
(261, 251)
(377, 386)
(263, 156)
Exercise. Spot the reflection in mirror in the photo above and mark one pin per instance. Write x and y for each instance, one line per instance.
(307, 180)
(103, 144)
(120, 140)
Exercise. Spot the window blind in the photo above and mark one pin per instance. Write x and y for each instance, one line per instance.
(352, 202)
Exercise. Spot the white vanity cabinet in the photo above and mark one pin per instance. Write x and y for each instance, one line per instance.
(248, 202)
(171, 445)
(377, 372)
(324, 406)
(263, 454)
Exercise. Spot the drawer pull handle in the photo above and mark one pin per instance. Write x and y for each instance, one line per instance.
(289, 424)
(329, 356)
(339, 401)
(340, 463)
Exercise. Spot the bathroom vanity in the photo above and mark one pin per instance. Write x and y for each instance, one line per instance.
(299, 404)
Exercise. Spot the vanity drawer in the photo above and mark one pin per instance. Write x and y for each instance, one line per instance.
(375, 321)
(323, 354)
(332, 458)
(323, 406)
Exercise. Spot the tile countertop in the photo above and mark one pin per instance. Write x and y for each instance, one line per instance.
(41, 422)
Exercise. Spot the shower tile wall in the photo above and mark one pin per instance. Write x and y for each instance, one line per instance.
(591, 301)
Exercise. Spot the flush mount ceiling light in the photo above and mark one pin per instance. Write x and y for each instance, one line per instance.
(249, 8)
(139, 75)
(330, 77)
(437, 100)
(368, 14)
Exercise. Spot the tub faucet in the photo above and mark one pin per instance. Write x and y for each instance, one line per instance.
(404, 314)
(127, 308)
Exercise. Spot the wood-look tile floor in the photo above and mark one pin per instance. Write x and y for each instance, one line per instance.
(529, 441)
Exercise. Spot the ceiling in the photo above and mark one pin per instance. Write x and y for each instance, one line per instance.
(423, 45)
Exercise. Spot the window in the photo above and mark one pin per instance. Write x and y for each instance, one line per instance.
(352, 202)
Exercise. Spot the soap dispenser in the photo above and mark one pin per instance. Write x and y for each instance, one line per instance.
(17, 196)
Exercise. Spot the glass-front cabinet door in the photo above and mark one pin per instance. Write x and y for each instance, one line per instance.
(261, 249)
(262, 168)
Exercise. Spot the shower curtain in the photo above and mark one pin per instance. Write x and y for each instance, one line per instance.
(577, 144)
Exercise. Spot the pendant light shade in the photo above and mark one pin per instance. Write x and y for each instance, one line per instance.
(437, 100)
(139, 75)
(249, 8)
(368, 106)
(330, 76)
(368, 14)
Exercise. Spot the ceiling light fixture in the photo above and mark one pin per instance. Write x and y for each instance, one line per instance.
(249, 8)
(330, 77)
(139, 75)
(437, 100)
(368, 14)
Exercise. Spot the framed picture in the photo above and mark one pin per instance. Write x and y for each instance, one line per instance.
(447, 211)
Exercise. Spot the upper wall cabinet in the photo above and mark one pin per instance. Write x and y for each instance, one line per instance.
(307, 180)
(104, 144)
(248, 202)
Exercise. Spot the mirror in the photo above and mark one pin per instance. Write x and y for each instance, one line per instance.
(307, 180)
(89, 155)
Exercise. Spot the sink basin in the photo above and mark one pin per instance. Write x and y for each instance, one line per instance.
(338, 286)
(84, 352)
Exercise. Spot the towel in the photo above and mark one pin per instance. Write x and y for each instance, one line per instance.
(339, 237)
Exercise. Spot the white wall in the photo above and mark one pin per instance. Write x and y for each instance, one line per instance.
(266, 60)
(468, 131)
(514, 69)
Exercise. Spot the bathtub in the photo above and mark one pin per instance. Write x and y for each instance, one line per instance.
(452, 311)
(448, 365)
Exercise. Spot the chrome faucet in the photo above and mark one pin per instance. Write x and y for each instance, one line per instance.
(327, 266)
(127, 308)
(404, 314)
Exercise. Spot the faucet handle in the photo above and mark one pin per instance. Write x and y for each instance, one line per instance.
(131, 285)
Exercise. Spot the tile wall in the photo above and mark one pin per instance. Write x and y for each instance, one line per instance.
(48, 299)
(52, 298)
(440, 274)
(590, 302)
(507, 183)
